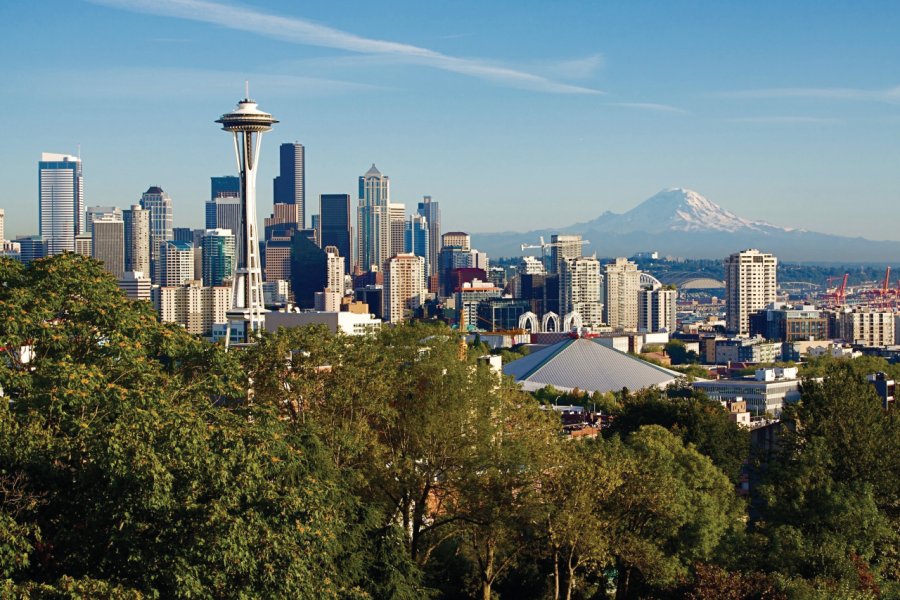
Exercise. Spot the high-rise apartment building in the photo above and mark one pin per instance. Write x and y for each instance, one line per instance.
(108, 244)
(160, 206)
(417, 240)
(334, 224)
(563, 247)
(194, 306)
(404, 286)
(579, 290)
(374, 220)
(432, 212)
(657, 310)
(621, 284)
(872, 328)
(176, 263)
(334, 279)
(290, 185)
(218, 256)
(137, 239)
(60, 201)
(750, 284)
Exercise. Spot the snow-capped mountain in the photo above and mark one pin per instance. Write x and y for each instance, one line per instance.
(681, 222)
(676, 209)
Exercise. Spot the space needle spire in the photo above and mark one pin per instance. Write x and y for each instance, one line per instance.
(245, 316)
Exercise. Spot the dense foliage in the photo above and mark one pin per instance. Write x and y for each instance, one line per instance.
(137, 461)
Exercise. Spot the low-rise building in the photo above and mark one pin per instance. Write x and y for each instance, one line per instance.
(346, 322)
(765, 394)
(747, 350)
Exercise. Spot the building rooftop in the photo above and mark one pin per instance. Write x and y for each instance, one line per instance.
(585, 364)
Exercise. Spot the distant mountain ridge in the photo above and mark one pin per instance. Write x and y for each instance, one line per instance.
(682, 222)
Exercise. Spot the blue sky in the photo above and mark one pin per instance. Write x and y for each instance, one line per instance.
(514, 115)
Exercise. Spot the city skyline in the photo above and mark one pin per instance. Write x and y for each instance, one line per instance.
(502, 116)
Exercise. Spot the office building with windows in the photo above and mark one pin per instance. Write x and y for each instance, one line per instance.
(60, 201)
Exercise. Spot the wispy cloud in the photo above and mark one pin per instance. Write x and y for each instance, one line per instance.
(787, 120)
(891, 95)
(652, 106)
(301, 31)
(575, 68)
(132, 83)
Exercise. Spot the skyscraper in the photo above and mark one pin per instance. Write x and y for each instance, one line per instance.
(245, 317)
(290, 185)
(563, 247)
(417, 240)
(432, 212)
(225, 186)
(749, 286)
(137, 239)
(108, 244)
(226, 214)
(93, 213)
(159, 204)
(218, 256)
(373, 229)
(309, 270)
(622, 282)
(335, 270)
(32, 247)
(60, 201)
(334, 224)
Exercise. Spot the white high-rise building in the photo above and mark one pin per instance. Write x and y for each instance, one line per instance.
(334, 279)
(60, 201)
(621, 283)
(176, 263)
(83, 244)
(137, 239)
(750, 286)
(373, 229)
(108, 243)
(657, 310)
(579, 290)
(404, 286)
(195, 307)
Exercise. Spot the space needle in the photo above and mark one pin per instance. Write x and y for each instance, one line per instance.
(245, 316)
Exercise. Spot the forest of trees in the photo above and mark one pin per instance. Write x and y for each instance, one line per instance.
(138, 461)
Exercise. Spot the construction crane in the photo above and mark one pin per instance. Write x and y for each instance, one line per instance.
(544, 245)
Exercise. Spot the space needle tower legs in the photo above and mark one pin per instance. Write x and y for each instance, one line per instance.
(246, 313)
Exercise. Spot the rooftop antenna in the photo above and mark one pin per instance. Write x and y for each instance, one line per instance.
(247, 89)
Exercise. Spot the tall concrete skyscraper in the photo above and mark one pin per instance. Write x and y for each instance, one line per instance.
(60, 201)
(334, 225)
(432, 212)
(373, 231)
(160, 206)
(750, 284)
(94, 213)
(290, 185)
(621, 284)
(226, 186)
(108, 244)
(176, 263)
(563, 247)
(657, 310)
(404, 286)
(137, 239)
(245, 317)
